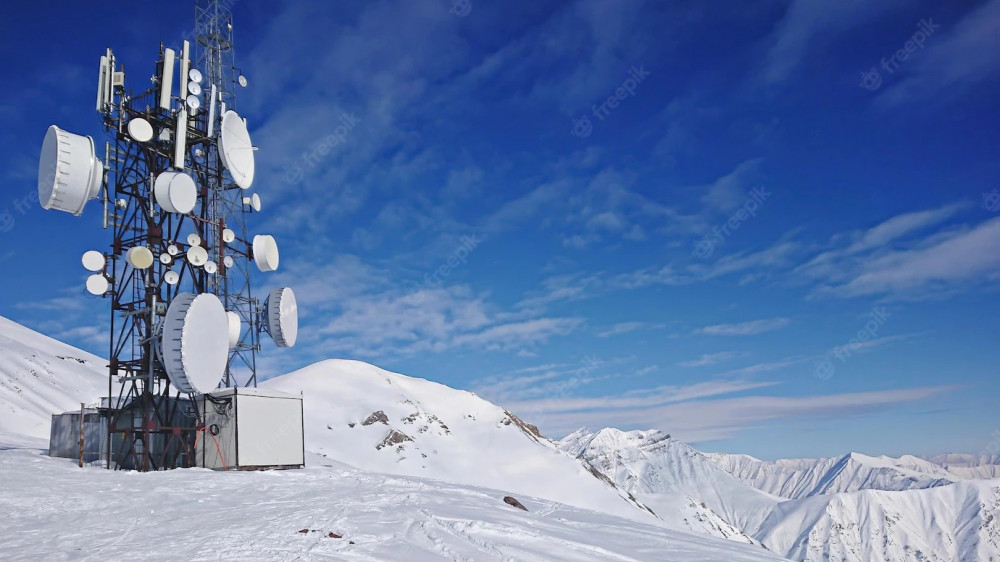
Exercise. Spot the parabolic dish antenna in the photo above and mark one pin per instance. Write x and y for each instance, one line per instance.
(211, 267)
(235, 327)
(69, 173)
(282, 317)
(253, 202)
(173, 250)
(175, 192)
(228, 261)
(166, 259)
(193, 239)
(242, 81)
(97, 284)
(194, 88)
(171, 277)
(140, 130)
(194, 343)
(139, 257)
(192, 101)
(195, 75)
(197, 256)
(265, 252)
(228, 235)
(236, 149)
(93, 260)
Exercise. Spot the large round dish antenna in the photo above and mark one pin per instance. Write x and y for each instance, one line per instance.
(97, 284)
(69, 172)
(93, 260)
(140, 130)
(282, 317)
(235, 327)
(265, 252)
(194, 343)
(139, 257)
(236, 149)
(197, 256)
(175, 192)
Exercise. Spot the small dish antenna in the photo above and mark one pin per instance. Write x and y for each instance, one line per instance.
(195, 75)
(211, 267)
(228, 261)
(265, 252)
(175, 192)
(194, 88)
(236, 149)
(69, 172)
(97, 284)
(228, 235)
(166, 259)
(139, 257)
(171, 277)
(192, 101)
(235, 327)
(194, 342)
(193, 239)
(282, 317)
(253, 202)
(173, 250)
(242, 80)
(93, 260)
(197, 256)
(140, 130)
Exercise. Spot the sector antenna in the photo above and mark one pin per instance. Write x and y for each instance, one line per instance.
(170, 176)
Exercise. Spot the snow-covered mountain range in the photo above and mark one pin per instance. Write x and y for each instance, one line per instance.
(414, 469)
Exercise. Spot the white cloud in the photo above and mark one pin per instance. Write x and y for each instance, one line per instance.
(744, 328)
(621, 328)
(709, 359)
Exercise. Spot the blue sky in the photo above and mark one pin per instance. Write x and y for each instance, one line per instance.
(769, 227)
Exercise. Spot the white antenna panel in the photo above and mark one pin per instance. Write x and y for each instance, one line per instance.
(69, 172)
(180, 139)
(175, 192)
(97, 284)
(235, 327)
(167, 78)
(211, 113)
(101, 82)
(236, 149)
(194, 343)
(93, 260)
(283, 317)
(265, 252)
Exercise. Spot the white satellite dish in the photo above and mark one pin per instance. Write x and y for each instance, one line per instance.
(97, 284)
(195, 75)
(265, 252)
(282, 317)
(193, 239)
(228, 235)
(253, 202)
(242, 81)
(236, 149)
(171, 277)
(175, 192)
(235, 327)
(139, 257)
(228, 261)
(69, 172)
(173, 250)
(194, 342)
(140, 130)
(93, 260)
(192, 101)
(211, 267)
(194, 88)
(197, 256)
(166, 259)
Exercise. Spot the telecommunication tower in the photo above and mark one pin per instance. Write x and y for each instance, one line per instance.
(175, 188)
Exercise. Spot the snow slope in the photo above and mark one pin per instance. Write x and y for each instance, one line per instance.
(55, 511)
(40, 376)
(663, 472)
(983, 466)
(802, 478)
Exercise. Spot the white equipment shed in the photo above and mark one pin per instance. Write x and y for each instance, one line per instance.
(250, 429)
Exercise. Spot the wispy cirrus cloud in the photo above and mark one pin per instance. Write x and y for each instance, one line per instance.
(709, 359)
(750, 328)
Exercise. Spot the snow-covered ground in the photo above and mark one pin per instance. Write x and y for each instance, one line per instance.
(53, 510)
